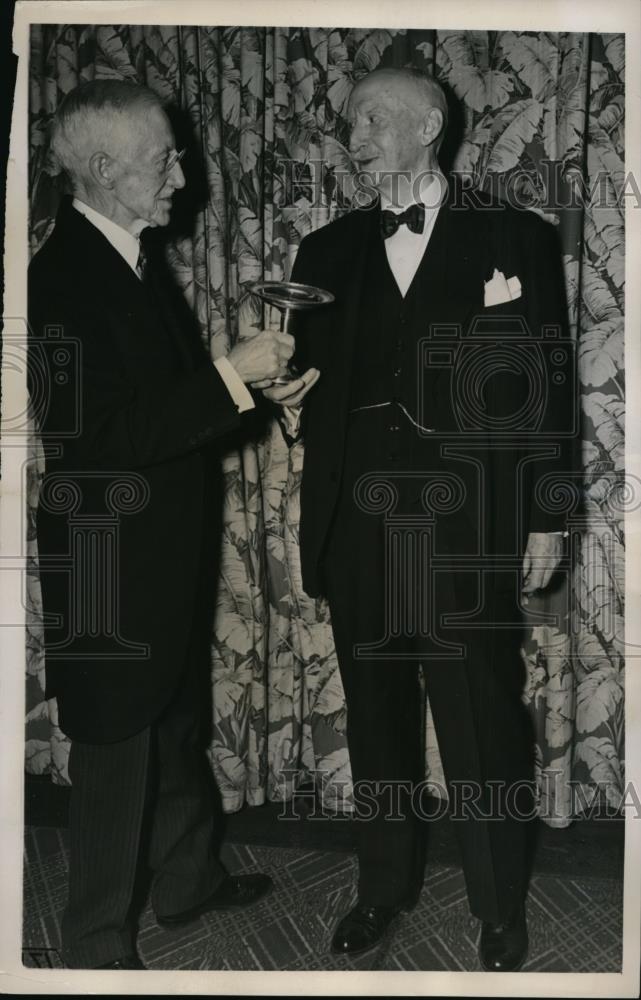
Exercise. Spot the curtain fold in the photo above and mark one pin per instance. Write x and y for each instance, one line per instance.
(263, 115)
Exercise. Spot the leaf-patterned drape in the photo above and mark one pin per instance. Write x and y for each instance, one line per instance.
(266, 108)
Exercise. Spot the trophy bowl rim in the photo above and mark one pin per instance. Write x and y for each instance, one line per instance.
(277, 294)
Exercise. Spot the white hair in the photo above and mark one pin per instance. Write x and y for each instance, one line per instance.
(89, 119)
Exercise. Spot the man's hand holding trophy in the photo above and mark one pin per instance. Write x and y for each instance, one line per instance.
(289, 387)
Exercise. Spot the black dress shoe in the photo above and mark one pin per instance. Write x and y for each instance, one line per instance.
(126, 962)
(233, 892)
(363, 928)
(503, 947)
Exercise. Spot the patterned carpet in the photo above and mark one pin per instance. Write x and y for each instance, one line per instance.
(575, 923)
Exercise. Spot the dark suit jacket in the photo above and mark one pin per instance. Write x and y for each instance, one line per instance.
(464, 248)
(130, 495)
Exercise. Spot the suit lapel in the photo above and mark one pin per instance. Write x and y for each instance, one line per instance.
(135, 308)
(365, 230)
(156, 288)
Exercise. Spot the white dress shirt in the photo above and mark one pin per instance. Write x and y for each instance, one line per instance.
(405, 249)
(128, 246)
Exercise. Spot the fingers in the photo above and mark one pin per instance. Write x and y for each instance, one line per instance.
(276, 395)
(269, 361)
(533, 583)
(537, 573)
(306, 385)
(285, 339)
(263, 357)
(294, 392)
(284, 344)
(542, 556)
(294, 388)
(281, 348)
(533, 573)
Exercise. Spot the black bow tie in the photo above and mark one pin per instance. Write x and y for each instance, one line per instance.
(413, 217)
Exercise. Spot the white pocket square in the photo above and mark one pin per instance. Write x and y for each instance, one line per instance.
(501, 289)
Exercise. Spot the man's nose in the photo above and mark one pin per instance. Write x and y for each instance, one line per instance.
(356, 139)
(177, 177)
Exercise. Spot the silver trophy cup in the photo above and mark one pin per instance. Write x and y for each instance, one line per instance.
(290, 297)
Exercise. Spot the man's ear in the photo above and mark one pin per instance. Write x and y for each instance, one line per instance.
(102, 168)
(433, 125)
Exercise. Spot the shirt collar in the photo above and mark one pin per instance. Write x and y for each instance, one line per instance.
(432, 187)
(127, 245)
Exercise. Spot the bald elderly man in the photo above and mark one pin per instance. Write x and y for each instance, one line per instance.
(128, 526)
(422, 521)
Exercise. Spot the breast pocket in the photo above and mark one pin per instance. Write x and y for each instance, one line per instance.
(501, 320)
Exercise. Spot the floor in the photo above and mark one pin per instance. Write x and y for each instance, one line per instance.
(575, 919)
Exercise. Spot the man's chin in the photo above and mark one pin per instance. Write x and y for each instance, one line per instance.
(161, 216)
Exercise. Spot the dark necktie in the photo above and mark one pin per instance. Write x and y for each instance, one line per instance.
(141, 264)
(413, 217)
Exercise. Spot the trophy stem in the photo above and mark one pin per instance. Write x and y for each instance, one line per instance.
(286, 320)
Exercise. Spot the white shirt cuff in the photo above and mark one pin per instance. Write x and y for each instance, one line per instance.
(236, 388)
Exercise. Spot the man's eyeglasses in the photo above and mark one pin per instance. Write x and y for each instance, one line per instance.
(172, 160)
(160, 171)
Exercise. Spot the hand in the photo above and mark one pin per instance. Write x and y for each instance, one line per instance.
(263, 356)
(542, 556)
(294, 392)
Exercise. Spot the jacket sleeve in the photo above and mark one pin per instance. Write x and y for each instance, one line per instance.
(551, 481)
(117, 422)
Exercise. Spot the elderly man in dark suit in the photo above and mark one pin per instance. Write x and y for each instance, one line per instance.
(444, 403)
(127, 526)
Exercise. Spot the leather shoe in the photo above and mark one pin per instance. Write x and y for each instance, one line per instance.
(364, 927)
(503, 947)
(233, 892)
(126, 962)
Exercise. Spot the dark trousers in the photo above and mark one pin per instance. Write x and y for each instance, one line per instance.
(483, 731)
(148, 800)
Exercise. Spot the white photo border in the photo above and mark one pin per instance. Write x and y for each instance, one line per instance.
(548, 15)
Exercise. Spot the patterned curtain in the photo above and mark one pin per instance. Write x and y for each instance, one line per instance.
(264, 110)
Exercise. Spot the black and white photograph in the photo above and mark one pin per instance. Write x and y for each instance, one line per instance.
(316, 485)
